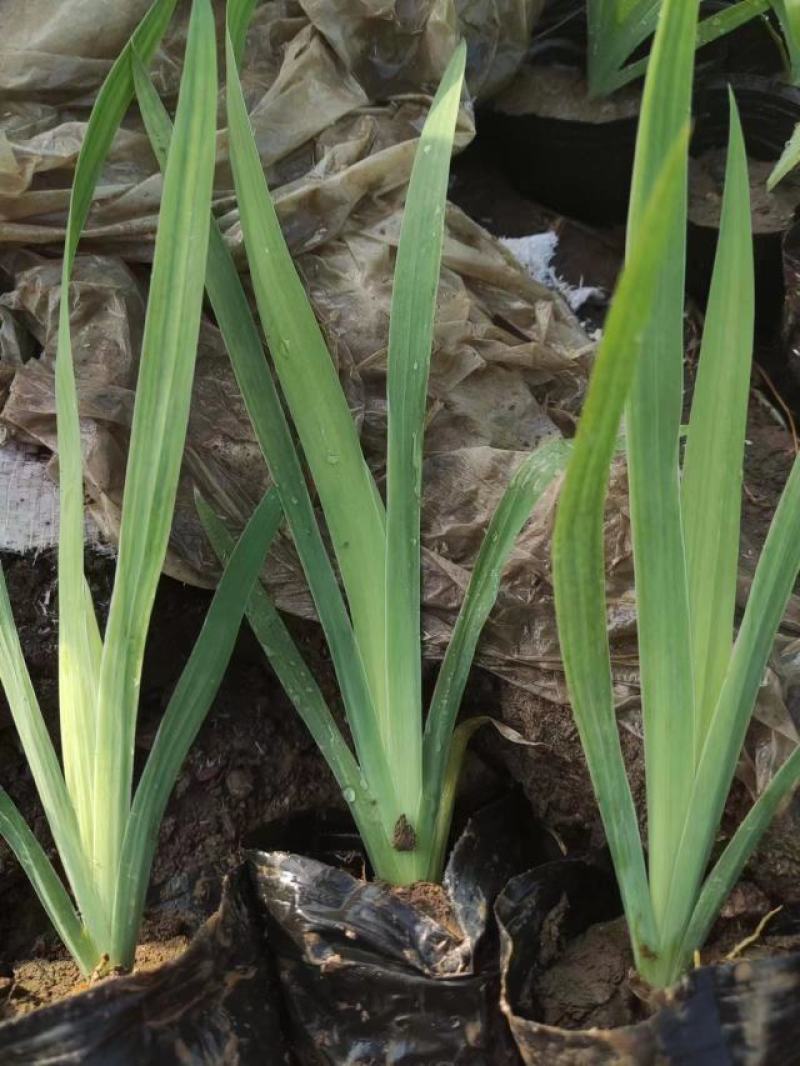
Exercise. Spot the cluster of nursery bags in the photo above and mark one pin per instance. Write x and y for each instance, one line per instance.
(334, 90)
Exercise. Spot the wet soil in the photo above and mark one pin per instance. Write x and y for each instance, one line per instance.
(588, 984)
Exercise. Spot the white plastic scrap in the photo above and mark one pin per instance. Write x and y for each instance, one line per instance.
(535, 255)
(29, 502)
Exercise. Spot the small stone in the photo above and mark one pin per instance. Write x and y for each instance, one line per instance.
(239, 783)
(404, 838)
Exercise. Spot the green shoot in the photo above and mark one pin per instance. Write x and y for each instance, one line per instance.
(617, 28)
(788, 12)
(106, 840)
(398, 777)
(698, 684)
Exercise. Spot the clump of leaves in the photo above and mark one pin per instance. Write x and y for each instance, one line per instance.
(399, 776)
(698, 682)
(104, 832)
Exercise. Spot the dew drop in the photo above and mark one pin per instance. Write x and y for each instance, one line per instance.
(350, 795)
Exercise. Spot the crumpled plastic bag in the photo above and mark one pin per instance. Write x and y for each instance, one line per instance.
(307, 66)
(500, 339)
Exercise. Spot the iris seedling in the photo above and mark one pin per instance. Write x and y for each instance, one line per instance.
(618, 28)
(397, 772)
(105, 834)
(789, 14)
(699, 682)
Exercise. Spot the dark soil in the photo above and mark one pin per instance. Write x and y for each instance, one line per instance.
(773, 212)
(591, 982)
(252, 762)
(587, 985)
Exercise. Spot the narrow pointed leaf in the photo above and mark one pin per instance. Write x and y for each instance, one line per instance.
(158, 432)
(788, 12)
(44, 767)
(534, 475)
(728, 869)
(302, 689)
(47, 885)
(710, 29)
(185, 714)
(790, 157)
(772, 585)
(78, 633)
(239, 331)
(578, 550)
(616, 28)
(712, 469)
(457, 750)
(353, 509)
(416, 283)
(652, 425)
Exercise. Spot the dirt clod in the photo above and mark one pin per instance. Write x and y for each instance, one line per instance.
(433, 901)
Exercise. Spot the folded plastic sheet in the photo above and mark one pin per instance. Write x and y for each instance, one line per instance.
(215, 1005)
(369, 976)
(743, 1012)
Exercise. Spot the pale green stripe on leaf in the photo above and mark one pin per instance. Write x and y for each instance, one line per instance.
(652, 424)
(578, 550)
(185, 713)
(712, 469)
(416, 283)
(353, 509)
(78, 633)
(158, 432)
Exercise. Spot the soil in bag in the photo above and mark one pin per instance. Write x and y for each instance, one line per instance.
(373, 975)
(216, 1005)
(769, 111)
(571, 1000)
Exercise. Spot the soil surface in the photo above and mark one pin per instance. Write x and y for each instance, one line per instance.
(772, 212)
(560, 92)
(53, 976)
(591, 982)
